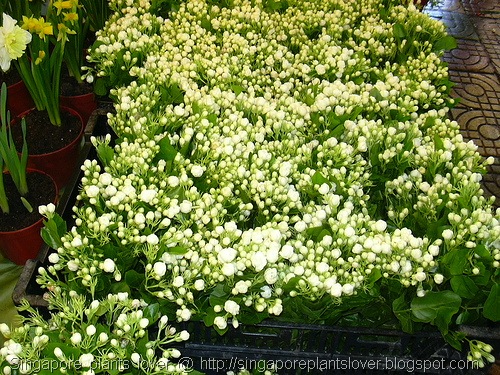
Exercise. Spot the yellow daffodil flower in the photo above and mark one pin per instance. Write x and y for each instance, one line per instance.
(63, 31)
(60, 5)
(13, 41)
(38, 26)
(71, 17)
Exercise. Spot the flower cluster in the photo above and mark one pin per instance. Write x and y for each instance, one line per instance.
(87, 337)
(280, 162)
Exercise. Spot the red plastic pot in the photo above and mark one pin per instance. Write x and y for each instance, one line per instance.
(18, 99)
(23, 244)
(59, 164)
(83, 104)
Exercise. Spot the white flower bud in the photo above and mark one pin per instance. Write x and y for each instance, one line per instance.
(76, 338)
(152, 239)
(184, 335)
(90, 330)
(144, 322)
(199, 284)
(197, 171)
(108, 265)
(160, 269)
(135, 358)
(147, 195)
(220, 322)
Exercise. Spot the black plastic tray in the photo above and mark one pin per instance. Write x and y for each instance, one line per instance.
(318, 349)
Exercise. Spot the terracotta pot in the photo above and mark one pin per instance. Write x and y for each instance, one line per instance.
(83, 104)
(18, 99)
(59, 164)
(23, 244)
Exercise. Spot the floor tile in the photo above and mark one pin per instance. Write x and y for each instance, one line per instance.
(476, 91)
(470, 55)
(459, 24)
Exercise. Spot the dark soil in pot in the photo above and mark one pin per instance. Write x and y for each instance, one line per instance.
(43, 137)
(10, 77)
(41, 191)
(70, 86)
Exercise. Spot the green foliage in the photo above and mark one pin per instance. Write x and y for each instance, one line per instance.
(9, 157)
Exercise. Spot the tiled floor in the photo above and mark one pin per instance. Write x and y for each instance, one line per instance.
(475, 69)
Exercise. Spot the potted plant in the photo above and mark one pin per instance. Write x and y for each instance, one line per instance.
(20, 189)
(76, 92)
(40, 69)
(15, 85)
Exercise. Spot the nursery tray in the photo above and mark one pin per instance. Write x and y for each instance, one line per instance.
(27, 288)
(319, 349)
(292, 348)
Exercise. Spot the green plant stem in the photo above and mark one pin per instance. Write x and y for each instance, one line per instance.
(4, 203)
(24, 68)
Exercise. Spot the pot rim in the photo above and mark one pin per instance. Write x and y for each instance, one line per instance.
(68, 146)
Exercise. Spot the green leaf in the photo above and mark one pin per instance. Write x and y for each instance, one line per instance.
(464, 286)
(291, 284)
(467, 317)
(483, 277)
(218, 296)
(172, 95)
(399, 30)
(318, 179)
(105, 153)
(68, 350)
(402, 311)
(110, 251)
(53, 230)
(133, 277)
(100, 87)
(436, 308)
(456, 261)
(376, 94)
(206, 24)
(491, 309)
(253, 318)
(445, 43)
(483, 252)
(120, 287)
(454, 341)
(177, 250)
(237, 89)
(438, 143)
(209, 318)
(152, 313)
(167, 151)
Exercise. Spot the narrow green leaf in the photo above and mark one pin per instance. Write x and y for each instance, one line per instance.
(177, 250)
